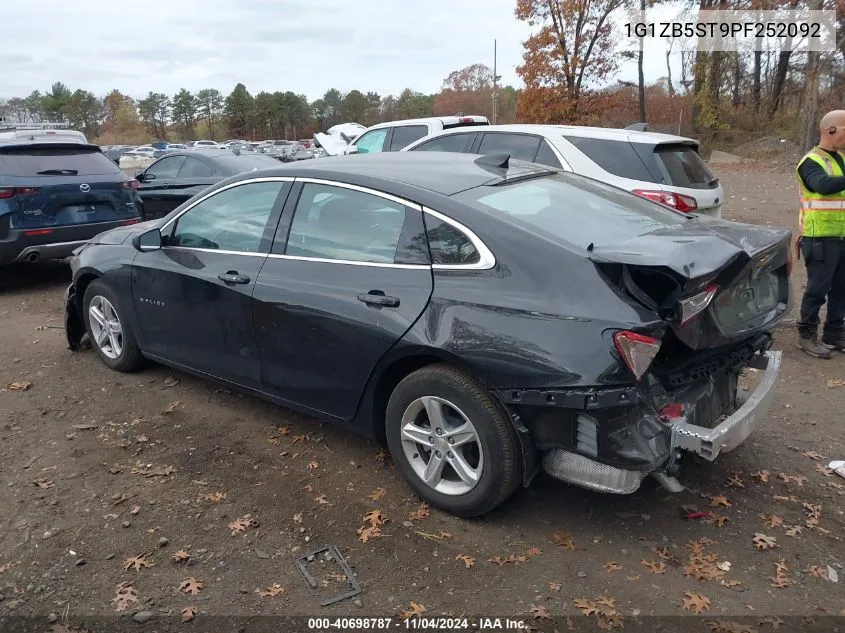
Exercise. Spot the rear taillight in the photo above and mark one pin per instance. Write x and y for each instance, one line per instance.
(466, 119)
(8, 192)
(130, 184)
(128, 222)
(676, 201)
(691, 307)
(637, 350)
(38, 232)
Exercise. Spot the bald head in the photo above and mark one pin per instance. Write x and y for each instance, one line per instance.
(832, 130)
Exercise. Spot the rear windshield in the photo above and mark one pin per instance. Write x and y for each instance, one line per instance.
(573, 209)
(681, 166)
(55, 161)
(237, 164)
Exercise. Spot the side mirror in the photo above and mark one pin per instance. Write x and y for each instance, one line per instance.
(148, 177)
(352, 149)
(149, 241)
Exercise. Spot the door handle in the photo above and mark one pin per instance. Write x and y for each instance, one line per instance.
(233, 277)
(378, 298)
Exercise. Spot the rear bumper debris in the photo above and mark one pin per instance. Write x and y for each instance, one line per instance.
(733, 431)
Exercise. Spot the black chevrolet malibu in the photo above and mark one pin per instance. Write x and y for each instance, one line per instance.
(484, 316)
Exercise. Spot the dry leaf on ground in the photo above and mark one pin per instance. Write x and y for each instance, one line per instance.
(729, 626)
(125, 596)
(720, 501)
(297, 518)
(794, 530)
(798, 479)
(735, 481)
(563, 539)
(763, 542)
(772, 520)
(468, 560)
(188, 614)
(367, 533)
(554, 586)
(214, 497)
(321, 500)
(818, 572)
(510, 559)
(21, 385)
(271, 591)
(662, 552)
(695, 602)
(190, 585)
(375, 518)
(173, 406)
(5, 567)
(136, 562)
(612, 566)
(180, 556)
(540, 612)
(377, 494)
(413, 611)
(762, 476)
(423, 512)
(586, 607)
(531, 552)
(654, 566)
(824, 470)
(813, 455)
(240, 525)
(43, 484)
(833, 383)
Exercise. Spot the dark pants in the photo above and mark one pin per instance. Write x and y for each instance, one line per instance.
(825, 261)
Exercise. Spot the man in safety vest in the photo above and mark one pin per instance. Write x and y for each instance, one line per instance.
(821, 230)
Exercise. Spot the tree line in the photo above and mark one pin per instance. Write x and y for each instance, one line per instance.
(208, 113)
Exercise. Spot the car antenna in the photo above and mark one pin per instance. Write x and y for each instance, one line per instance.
(590, 247)
(494, 160)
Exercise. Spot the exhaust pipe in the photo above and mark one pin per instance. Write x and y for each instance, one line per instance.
(32, 257)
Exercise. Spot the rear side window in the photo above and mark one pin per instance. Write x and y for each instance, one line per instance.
(194, 168)
(519, 146)
(449, 245)
(616, 157)
(681, 166)
(55, 161)
(372, 142)
(545, 156)
(404, 135)
(450, 143)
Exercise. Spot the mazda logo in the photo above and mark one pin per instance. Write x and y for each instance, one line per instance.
(85, 188)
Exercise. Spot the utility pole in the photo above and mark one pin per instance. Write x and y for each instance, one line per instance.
(495, 80)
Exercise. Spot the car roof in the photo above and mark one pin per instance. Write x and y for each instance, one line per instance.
(608, 133)
(48, 141)
(451, 119)
(445, 173)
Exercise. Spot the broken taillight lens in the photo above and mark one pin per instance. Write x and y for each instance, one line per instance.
(691, 307)
(637, 350)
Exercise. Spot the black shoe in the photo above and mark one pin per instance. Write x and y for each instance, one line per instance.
(811, 346)
(834, 340)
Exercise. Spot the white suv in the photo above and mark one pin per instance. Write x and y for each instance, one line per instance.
(392, 136)
(660, 167)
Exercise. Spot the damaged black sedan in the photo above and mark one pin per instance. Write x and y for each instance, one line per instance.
(485, 317)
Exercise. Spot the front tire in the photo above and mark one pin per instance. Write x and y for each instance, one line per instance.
(109, 330)
(452, 441)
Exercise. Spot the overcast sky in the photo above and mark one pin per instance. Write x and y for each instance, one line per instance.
(306, 46)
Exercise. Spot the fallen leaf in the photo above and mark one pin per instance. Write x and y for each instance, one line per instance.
(812, 454)
(781, 567)
(415, 610)
(510, 559)
(271, 591)
(171, 381)
(554, 586)
(173, 406)
(21, 385)
(762, 475)
(125, 596)
(731, 583)
(775, 622)
(313, 465)
(719, 519)
(375, 518)
(298, 438)
(719, 500)
(297, 518)
(377, 494)
(833, 383)
(5, 568)
(180, 556)
(540, 612)
(188, 614)
(772, 520)
(662, 552)
(763, 542)
(798, 479)
(421, 513)
(214, 497)
(794, 530)
(468, 560)
(818, 572)
(190, 585)
(136, 562)
(632, 578)
(43, 483)
(612, 566)
(729, 626)
(696, 602)
(586, 607)
(382, 455)
(735, 481)
(239, 526)
(654, 566)
(824, 470)
(780, 582)
(321, 500)
(563, 539)
(531, 552)
(367, 533)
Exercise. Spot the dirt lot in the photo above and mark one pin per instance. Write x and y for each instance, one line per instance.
(101, 467)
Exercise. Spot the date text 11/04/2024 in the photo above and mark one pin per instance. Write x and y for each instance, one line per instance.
(761, 30)
(423, 624)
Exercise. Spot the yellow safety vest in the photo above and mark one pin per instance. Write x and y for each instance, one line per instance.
(821, 215)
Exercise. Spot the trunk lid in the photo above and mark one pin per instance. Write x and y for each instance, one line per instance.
(60, 184)
(666, 269)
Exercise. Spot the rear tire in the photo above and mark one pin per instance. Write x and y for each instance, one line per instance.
(109, 330)
(441, 411)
